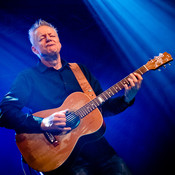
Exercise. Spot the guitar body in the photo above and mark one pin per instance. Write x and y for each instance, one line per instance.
(44, 156)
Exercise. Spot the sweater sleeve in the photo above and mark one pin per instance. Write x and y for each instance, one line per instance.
(11, 113)
(113, 105)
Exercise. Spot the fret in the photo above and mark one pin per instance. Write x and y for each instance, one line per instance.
(114, 88)
(139, 71)
(78, 113)
(110, 93)
(146, 69)
(142, 70)
(126, 81)
(93, 106)
(104, 96)
(89, 109)
(82, 111)
(107, 94)
(119, 84)
(101, 100)
(122, 83)
(97, 102)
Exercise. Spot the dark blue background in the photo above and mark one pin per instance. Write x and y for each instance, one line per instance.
(112, 38)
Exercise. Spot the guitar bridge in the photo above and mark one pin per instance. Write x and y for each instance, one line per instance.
(51, 138)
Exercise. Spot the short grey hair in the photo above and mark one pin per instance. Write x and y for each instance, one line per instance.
(36, 25)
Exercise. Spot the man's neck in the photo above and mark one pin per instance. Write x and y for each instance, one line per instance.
(56, 64)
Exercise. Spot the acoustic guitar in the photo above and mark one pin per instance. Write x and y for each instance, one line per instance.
(47, 151)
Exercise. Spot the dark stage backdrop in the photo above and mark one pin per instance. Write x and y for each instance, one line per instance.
(112, 38)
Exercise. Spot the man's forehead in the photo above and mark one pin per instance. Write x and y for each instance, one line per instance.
(44, 30)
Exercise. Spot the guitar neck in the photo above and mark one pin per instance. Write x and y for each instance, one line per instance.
(100, 99)
(120, 85)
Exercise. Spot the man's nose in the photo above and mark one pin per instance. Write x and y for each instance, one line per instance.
(48, 38)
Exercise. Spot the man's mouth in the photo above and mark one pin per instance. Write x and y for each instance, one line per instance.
(48, 45)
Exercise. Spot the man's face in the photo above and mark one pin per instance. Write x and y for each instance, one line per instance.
(46, 42)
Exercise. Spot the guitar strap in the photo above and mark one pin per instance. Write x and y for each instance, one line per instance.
(83, 82)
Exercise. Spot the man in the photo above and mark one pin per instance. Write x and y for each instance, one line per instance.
(45, 87)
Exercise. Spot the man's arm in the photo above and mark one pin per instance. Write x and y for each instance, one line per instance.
(11, 115)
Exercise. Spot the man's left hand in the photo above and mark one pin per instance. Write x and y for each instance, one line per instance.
(135, 81)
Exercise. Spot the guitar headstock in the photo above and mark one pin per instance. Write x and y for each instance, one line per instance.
(158, 61)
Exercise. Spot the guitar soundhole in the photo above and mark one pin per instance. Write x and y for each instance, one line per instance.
(72, 120)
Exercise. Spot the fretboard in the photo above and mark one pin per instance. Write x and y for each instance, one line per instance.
(100, 99)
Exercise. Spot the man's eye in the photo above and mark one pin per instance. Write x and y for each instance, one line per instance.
(41, 39)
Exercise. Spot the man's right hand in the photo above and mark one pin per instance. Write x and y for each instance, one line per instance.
(55, 122)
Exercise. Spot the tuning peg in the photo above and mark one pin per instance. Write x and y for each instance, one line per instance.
(169, 64)
(159, 70)
(164, 66)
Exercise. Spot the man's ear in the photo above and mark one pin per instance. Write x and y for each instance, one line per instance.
(34, 50)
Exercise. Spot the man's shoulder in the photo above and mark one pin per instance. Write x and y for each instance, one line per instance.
(28, 71)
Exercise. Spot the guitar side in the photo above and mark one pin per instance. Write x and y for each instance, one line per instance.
(44, 156)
